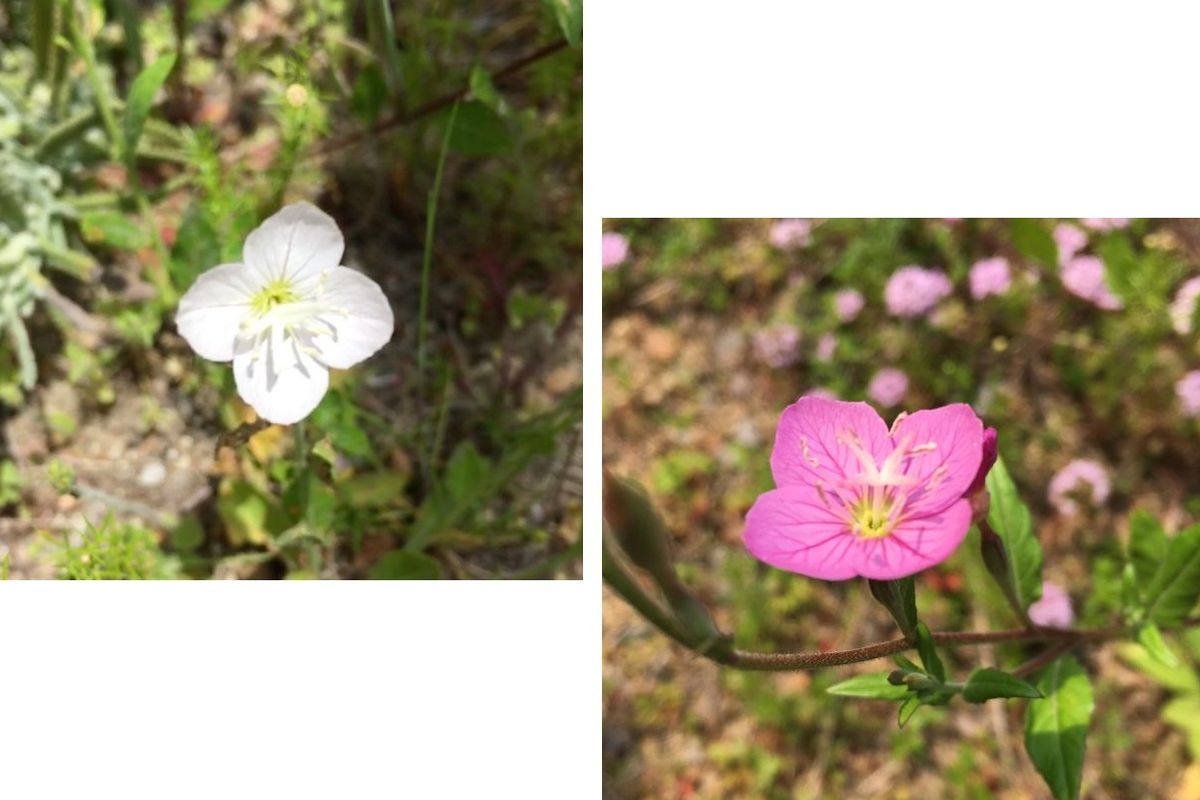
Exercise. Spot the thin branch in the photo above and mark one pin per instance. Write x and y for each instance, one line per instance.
(439, 103)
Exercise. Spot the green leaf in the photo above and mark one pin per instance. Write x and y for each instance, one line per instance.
(1056, 726)
(907, 709)
(899, 598)
(1034, 242)
(113, 229)
(986, 683)
(400, 565)
(1121, 266)
(482, 88)
(874, 686)
(1173, 591)
(1184, 713)
(141, 98)
(1151, 638)
(197, 248)
(1180, 680)
(1147, 544)
(928, 653)
(569, 15)
(1010, 519)
(373, 489)
(381, 32)
(479, 131)
(369, 94)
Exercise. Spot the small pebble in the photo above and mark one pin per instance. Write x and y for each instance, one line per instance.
(153, 474)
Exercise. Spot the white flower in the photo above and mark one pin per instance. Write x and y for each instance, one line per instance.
(287, 315)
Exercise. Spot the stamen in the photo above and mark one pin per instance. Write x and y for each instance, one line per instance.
(807, 453)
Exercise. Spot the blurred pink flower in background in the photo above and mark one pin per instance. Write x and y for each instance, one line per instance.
(913, 291)
(1188, 390)
(616, 250)
(821, 391)
(826, 346)
(1105, 223)
(1183, 307)
(854, 497)
(888, 387)
(790, 233)
(847, 303)
(1084, 277)
(778, 345)
(1082, 473)
(990, 276)
(1070, 240)
(1053, 610)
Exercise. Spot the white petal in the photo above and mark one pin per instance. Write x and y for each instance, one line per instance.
(209, 312)
(298, 241)
(368, 323)
(277, 380)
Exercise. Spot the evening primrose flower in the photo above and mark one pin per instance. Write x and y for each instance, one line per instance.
(1053, 610)
(1081, 476)
(990, 276)
(888, 387)
(286, 315)
(913, 291)
(1187, 389)
(855, 498)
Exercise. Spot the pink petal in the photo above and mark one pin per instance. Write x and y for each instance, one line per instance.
(918, 543)
(958, 436)
(807, 449)
(790, 528)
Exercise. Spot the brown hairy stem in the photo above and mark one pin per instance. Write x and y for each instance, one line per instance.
(783, 662)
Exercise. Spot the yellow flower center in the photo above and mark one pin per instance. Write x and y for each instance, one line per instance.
(871, 516)
(278, 292)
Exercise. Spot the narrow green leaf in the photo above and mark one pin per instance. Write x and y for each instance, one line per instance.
(1180, 680)
(907, 708)
(1173, 591)
(1151, 638)
(1034, 242)
(381, 31)
(569, 15)
(141, 98)
(1056, 726)
(479, 131)
(1147, 544)
(1010, 519)
(401, 565)
(874, 686)
(900, 599)
(928, 653)
(482, 88)
(1121, 266)
(986, 683)
(113, 229)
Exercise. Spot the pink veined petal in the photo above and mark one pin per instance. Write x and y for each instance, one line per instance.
(790, 528)
(807, 449)
(917, 543)
(210, 310)
(297, 242)
(945, 472)
(367, 327)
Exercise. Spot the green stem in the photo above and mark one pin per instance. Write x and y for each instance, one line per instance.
(83, 46)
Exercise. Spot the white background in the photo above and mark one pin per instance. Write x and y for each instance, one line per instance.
(471, 690)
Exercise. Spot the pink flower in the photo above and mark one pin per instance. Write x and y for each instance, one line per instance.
(847, 303)
(1054, 609)
(821, 391)
(1081, 474)
(1084, 277)
(1105, 223)
(990, 453)
(888, 387)
(787, 234)
(1070, 240)
(616, 250)
(778, 345)
(990, 276)
(854, 498)
(826, 346)
(914, 291)
(1188, 390)
(1183, 307)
